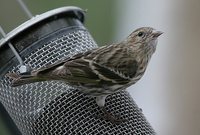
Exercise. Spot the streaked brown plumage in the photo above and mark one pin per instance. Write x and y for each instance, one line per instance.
(102, 71)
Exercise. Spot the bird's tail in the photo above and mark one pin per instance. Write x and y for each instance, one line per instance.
(19, 80)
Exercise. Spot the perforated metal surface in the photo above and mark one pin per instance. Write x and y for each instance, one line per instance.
(55, 108)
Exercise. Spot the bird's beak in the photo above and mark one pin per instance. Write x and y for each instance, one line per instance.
(157, 33)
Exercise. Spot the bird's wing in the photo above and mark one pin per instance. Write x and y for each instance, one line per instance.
(74, 70)
(96, 66)
(109, 64)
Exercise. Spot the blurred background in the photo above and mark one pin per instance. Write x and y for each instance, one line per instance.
(169, 92)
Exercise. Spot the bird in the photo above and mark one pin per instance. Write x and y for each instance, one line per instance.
(102, 71)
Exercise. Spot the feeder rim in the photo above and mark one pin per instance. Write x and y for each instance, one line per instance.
(78, 12)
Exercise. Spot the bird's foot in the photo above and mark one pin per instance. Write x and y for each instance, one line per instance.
(109, 117)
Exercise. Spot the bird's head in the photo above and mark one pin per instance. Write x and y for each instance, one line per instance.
(144, 38)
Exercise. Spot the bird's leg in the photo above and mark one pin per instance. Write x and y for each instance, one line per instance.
(100, 100)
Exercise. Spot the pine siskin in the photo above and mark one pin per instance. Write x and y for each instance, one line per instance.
(102, 71)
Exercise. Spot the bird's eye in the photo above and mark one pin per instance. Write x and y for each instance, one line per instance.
(140, 34)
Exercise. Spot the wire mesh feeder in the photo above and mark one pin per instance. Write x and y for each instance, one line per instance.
(53, 107)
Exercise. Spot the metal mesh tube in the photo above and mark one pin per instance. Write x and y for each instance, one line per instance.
(53, 107)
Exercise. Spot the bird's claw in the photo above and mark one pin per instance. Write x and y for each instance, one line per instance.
(111, 118)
